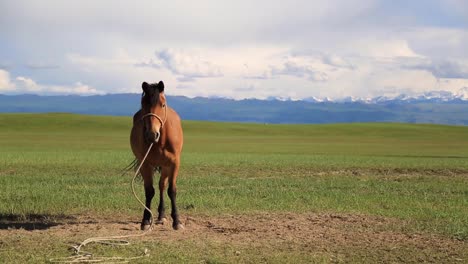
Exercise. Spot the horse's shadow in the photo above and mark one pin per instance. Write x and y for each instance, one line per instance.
(32, 222)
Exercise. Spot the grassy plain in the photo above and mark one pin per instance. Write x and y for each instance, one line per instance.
(59, 166)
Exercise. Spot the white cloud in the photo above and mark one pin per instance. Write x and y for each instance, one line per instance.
(264, 71)
(24, 85)
(293, 68)
(437, 42)
(5, 82)
(188, 66)
(458, 87)
(27, 85)
(337, 61)
(442, 68)
(118, 73)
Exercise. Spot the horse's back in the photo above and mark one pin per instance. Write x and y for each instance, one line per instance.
(176, 133)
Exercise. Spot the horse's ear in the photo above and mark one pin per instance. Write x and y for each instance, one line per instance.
(145, 87)
(161, 86)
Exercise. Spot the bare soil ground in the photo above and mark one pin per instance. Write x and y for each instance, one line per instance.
(327, 237)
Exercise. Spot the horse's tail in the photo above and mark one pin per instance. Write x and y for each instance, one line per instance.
(133, 166)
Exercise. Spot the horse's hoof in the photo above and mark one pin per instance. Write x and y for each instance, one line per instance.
(145, 227)
(178, 227)
(161, 221)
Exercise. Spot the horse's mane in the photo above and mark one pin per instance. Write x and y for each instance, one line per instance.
(148, 99)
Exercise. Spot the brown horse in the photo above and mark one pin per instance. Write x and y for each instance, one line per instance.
(157, 123)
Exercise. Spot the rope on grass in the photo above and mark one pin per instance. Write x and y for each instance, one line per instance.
(87, 257)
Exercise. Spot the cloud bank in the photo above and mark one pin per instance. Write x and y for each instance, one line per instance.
(237, 49)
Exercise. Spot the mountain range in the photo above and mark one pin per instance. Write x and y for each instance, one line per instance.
(433, 107)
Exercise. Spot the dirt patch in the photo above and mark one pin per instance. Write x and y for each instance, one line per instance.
(348, 236)
(339, 237)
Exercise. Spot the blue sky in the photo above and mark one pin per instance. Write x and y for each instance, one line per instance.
(238, 49)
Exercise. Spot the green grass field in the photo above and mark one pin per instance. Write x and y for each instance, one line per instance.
(56, 165)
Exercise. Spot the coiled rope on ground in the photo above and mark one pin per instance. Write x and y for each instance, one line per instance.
(87, 257)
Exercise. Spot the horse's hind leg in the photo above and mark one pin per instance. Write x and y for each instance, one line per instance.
(162, 187)
(147, 174)
(172, 192)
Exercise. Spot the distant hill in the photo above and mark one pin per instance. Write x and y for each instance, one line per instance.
(420, 110)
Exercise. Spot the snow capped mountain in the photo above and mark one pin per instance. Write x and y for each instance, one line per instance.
(435, 96)
(280, 98)
(442, 96)
(314, 99)
(431, 107)
(431, 96)
(349, 99)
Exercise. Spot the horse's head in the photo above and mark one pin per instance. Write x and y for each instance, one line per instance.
(154, 110)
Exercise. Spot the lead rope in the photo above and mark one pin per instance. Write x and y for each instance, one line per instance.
(82, 256)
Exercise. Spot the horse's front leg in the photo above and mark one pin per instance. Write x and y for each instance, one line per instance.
(147, 174)
(162, 187)
(172, 192)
